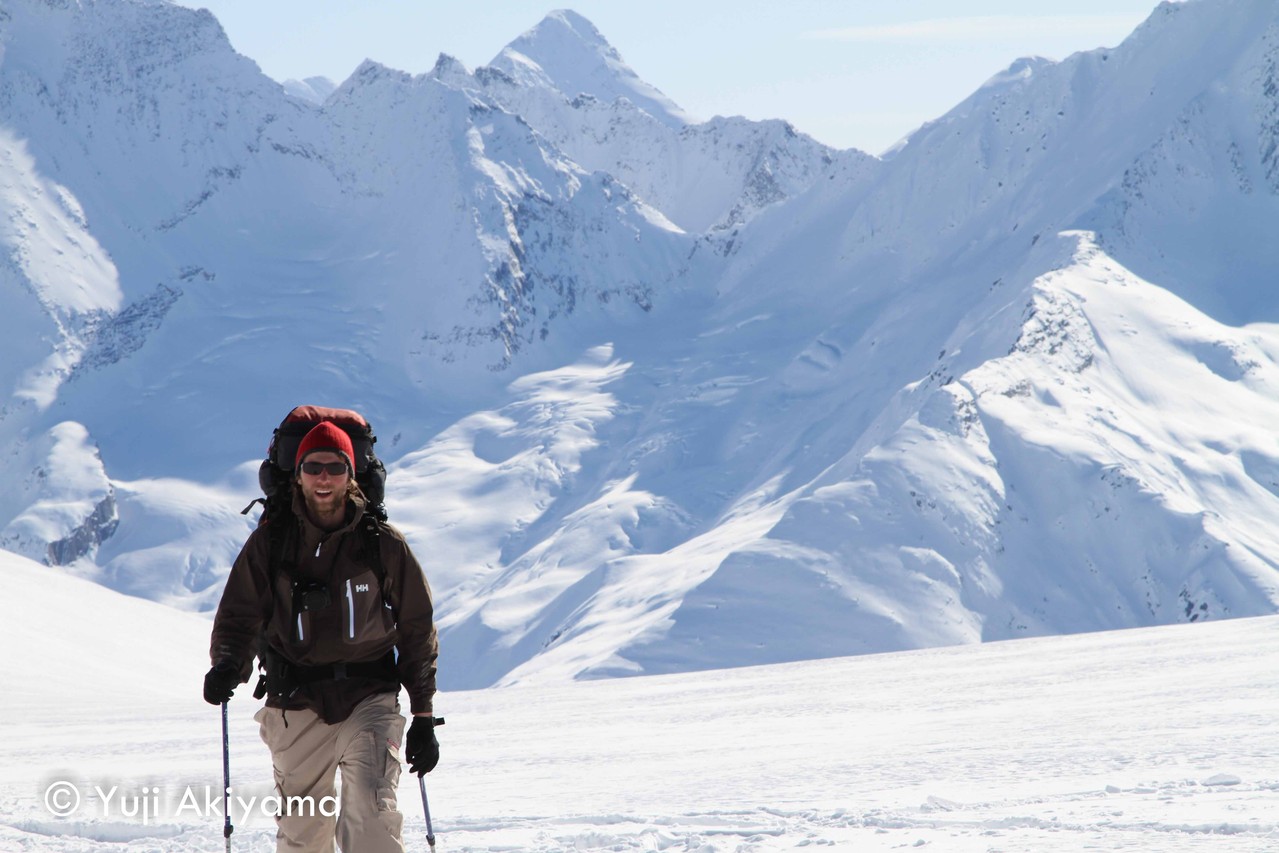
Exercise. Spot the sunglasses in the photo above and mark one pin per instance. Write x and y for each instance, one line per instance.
(334, 469)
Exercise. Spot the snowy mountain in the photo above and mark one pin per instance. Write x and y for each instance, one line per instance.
(570, 84)
(655, 394)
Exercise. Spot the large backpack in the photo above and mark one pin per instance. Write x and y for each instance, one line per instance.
(275, 475)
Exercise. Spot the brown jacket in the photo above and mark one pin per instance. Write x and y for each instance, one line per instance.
(362, 622)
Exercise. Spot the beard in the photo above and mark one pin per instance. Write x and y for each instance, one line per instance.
(325, 502)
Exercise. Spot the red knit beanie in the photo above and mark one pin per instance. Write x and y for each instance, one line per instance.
(326, 436)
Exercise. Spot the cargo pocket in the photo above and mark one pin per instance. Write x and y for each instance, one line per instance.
(386, 766)
(389, 752)
(369, 821)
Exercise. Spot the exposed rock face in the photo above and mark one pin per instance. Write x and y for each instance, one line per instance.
(86, 538)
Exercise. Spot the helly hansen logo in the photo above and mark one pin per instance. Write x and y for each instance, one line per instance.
(361, 587)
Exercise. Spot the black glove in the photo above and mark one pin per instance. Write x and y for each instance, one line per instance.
(221, 680)
(421, 748)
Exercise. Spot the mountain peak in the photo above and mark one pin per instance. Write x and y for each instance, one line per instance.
(577, 26)
(568, 53)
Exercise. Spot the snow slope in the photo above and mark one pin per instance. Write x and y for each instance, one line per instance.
(1152, 739)
(655, 395)
(1045, 415)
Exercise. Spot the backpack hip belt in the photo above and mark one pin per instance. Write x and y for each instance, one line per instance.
(282, 677)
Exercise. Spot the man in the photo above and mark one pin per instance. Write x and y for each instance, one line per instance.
(347, 618)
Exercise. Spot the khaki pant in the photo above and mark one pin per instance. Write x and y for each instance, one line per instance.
(306, 755)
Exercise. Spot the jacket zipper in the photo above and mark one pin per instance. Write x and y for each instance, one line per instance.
(350, 610)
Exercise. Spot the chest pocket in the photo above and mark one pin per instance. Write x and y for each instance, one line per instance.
(318, 618)
(365, 616)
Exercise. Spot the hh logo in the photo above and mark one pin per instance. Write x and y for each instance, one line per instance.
(361, 587)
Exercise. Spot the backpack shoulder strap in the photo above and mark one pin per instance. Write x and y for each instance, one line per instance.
(281, 534)
(371, 533)
(280, 530)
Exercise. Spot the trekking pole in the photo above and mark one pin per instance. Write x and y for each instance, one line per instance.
(227, 829)
(426, 809)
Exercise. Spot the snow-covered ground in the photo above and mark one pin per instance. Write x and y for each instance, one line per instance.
(1157, 739)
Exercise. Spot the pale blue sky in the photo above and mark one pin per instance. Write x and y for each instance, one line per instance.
(852, 73)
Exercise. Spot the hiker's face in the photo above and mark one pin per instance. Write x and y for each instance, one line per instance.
(325, 493)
